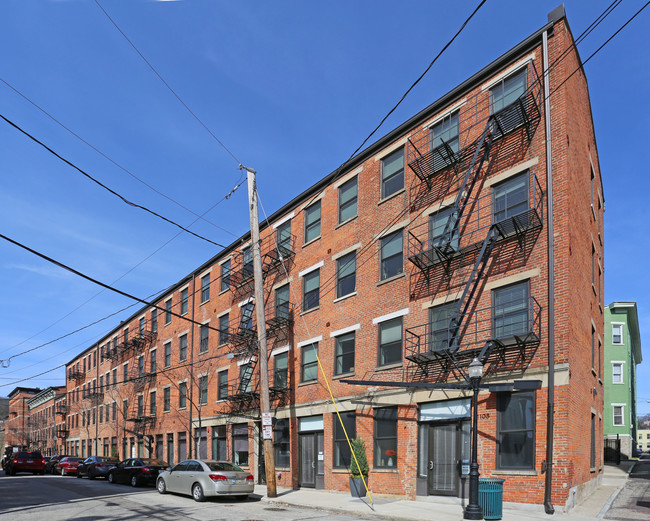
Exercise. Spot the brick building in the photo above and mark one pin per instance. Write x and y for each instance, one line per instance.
(17, 429)
(474, 229)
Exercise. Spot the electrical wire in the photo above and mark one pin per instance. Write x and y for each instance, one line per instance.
(121, 197)
(167, 84)
(124, 169)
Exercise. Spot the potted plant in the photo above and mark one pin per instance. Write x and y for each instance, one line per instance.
(358, 468)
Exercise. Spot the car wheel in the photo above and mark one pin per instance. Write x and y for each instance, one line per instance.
(91, 474)
(241, 498)
(197, 492)
(63, 472)
(134, 481)
(160, 485)
(111, 479)
(78, 475)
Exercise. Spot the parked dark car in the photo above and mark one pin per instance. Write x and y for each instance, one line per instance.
(25, 462)
(67, 465)
(96, 467)
(50, 466)
(137, 471)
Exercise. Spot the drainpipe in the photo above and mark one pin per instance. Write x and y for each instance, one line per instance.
(550, 412)
(190, 435)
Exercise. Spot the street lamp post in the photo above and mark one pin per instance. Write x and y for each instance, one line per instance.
(473, 509)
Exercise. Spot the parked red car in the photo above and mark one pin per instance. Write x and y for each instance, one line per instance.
(68, 465)
(25, 462)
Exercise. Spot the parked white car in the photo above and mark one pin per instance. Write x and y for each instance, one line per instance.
(201, 479)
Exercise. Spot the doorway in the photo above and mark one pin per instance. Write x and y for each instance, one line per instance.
(312, 462)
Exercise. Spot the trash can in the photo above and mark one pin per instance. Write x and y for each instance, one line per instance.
(490, 497)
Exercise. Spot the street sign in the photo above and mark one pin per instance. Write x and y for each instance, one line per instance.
(267, 419)
(267, 432)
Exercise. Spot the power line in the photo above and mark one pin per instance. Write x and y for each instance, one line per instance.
(121, 197)
(124, 169)
(167, 84)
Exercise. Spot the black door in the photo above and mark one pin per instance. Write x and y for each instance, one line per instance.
(312, 461)
(444, 456)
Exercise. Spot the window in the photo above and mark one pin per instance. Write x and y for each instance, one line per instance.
(592, 452)
(114, 411)
(282, 309)
(617, 334)
(246, 316)
(168, 354)
(140, 407)
(617, 372)
(152, 361)
(391, 253)
(281, 443)
(312, 222)
(222, 385)
(203, 390)
(247, 263)
(310, 290)
(166, 399)
(114, 378)
(225, 276)
(283, 238)
(224, 324)
(170, 448)
(439, 325)
(152, 403)
(205, 338)
(182, 395)
(205, 288)
(443, 231)
(445, 141)
(281, 370)
(184, 299)
(508, 90)
(619, 413)
(245, 376)
(309, 363)
(219, 443)
(386, 437)
(240, 444)
(141, 326)
(168, 311)
(392, 173)
(348, 200)
(126, 339)
(154, 320)
(346, 274)
(593, 346)
(510, 198)
(516, 431)
(511, 310)
(390, 341)
(342, 454)
(344, 353)
(125, 375)
(182, 348)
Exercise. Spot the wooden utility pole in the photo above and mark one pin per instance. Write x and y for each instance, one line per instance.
(265, 406)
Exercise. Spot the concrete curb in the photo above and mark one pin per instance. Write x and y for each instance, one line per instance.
(612, 498)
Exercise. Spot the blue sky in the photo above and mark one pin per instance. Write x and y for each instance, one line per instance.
(292, 88)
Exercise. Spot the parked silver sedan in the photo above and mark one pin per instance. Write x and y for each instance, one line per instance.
(201, 479)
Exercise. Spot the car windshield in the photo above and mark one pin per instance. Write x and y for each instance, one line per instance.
(73, 460)
(107, 460)
(154, 462)
(223, 466)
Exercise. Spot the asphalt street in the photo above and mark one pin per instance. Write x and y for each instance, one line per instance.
(54, 498)
(633, 502)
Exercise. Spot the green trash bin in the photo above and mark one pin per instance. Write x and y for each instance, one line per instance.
(490, 497)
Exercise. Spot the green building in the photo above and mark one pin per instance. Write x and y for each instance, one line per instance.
(622, 354)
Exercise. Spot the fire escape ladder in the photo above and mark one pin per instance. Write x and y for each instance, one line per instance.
(451, 231)
(471, 286)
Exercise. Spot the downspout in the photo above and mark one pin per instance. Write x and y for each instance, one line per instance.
(191, 441)
(550, 412)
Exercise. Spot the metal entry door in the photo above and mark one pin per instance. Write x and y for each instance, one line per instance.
(312, 471)
(443, 475)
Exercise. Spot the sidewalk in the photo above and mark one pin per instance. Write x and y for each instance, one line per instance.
(446, 509)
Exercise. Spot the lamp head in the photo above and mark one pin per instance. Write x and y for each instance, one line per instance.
(475, 369)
